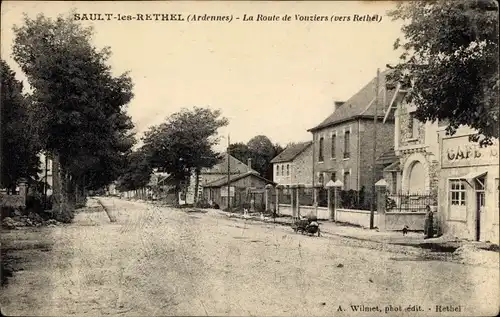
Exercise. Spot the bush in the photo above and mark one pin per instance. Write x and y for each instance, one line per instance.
(65, 216)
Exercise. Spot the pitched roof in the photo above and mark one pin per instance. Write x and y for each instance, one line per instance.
(291, 152)
(387, 157)
(361, 104)
(235, 166)
(394, 167)
(223, 180)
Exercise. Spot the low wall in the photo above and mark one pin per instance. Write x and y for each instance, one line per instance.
(12, 201)
(397, 220)
(286, 209)
(350, 216)
(355, 217)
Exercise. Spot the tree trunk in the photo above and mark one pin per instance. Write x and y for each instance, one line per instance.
(196, 184)
(177, 192)
(57, 195)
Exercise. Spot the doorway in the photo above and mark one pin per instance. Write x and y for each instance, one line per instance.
(480, 202)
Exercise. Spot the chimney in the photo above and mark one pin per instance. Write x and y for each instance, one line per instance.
(249, 164)
(337, 104)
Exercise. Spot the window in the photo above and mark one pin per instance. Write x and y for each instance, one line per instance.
(333, 177)
(413, 126)
(277, 170)
(321, 179)
(334, 145)
(288, 170)
(282, 170)
(394, 185)
(347, 178)
(480, 191)
(347, 144)
(320, 154)
(457, 192)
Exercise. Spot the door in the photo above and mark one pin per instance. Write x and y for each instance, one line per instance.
(480, 202)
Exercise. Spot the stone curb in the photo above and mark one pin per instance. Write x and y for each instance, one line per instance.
(110, 216)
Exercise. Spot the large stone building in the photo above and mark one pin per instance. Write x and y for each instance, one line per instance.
(294, 165)
(459, 176)
(343, 143)
(415, 169)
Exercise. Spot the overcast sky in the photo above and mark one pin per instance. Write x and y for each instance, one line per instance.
(271, 78)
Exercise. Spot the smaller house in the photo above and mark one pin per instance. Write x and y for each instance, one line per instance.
(294, 164)
(240, 186)
(216, 172)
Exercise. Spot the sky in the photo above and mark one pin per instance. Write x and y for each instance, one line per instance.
(276, 78)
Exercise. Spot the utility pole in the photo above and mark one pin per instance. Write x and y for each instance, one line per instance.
(228, 175)
(375, 119)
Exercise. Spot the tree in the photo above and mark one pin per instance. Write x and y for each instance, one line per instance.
(450, 62)
(87, 130)
(183, 143)
(240, 151)
(263, 152)
(19, 132)
(137, 172)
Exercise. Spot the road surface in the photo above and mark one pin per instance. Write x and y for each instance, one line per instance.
(164, 261)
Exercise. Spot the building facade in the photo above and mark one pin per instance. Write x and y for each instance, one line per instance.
(217, 172)
(239, 189)
(416, 167)
(294, 165)
(469, 187)
(343, 144)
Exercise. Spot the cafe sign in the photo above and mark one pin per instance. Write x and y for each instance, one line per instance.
(459, 152)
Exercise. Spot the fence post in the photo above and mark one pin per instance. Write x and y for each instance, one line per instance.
(269, 197)
(293, 199)
(23, 190)
(277, 201)
(299, 189)
(381, 189)
(316, 190)
(333, 202)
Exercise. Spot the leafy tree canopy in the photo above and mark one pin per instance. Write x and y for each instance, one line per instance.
(137, 172)
(261, 150)
(184, 142)
(450, 62)
(19, 131)
(80, 102)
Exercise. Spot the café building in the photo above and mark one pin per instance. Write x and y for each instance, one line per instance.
(468, 196)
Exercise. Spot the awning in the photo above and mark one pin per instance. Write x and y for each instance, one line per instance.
(470, 177)
(394, 167)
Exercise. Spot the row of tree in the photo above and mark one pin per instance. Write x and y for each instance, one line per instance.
(75, 112)
(184, 144)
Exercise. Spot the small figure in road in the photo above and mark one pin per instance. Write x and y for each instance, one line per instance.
(429, 223)
(405, 230)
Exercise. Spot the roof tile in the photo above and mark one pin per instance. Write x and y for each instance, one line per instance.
(291, 152)
(360, 104)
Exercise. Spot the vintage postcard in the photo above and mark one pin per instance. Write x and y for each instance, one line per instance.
(249, 158)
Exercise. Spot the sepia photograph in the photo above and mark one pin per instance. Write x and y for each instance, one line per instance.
(249, 158)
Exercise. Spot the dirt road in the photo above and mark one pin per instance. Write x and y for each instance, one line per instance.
(161, 261)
